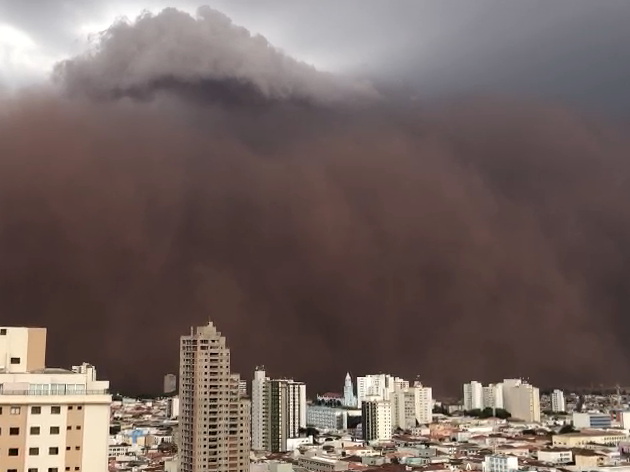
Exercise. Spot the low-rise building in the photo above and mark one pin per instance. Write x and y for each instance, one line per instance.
(326, 418)
(555, 456)
(583, 438)
(322, 464)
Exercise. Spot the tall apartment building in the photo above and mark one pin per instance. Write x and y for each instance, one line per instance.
(51, 420)
(473, 395)
(214, 419)
(278, 411)
(522, 400)
(557, 401)
(376, 419)
(379, 385)
(493, 396)
(411, 406)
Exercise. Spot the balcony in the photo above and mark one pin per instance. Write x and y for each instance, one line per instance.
(40, 393)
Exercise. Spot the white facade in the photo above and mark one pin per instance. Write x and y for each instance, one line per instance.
(557, 401)
(349, 399)
(522, 400)
(500, 463)
(58, 419)
(376, 419)
(493, 396)
(379, 385)
(278, 412)
(473, 396)
(555, 456)
(326, 418)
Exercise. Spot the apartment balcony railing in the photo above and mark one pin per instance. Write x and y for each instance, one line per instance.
(40, 393)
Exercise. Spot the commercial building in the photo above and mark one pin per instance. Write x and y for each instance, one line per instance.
(170, 383)
(557, 401)
(591, 420)
(376, 421)
(214, 419)
(582, 438)
(326, 418)
(50, 419)
(278, 412)
(473, 396)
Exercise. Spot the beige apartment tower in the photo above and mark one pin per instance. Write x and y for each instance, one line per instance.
(51, 420)
(214, 418)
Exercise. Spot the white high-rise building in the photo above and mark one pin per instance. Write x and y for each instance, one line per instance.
(214, 420)
(379, 385)
(278, 412)
(411, 406)
(349, 399)
(376, 421)
(50, 419)
(473, 396)
(557, 401)
(522, 400)
(493, 396)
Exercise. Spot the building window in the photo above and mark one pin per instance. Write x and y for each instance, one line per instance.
(67, 468)
(35, 430)
(53, 469)
(15, 410)
(77, 468)
(55, 410)
(77, 448)
(36, 410)
(67, 448)
(14, 452)
(70, 407)
(68, 428)
(54, 430)
(14, 431)
(15, 360)
(78, 427)
(79, 407)
(33, 451)
(53, 451)
(3, 332)
(32, 470)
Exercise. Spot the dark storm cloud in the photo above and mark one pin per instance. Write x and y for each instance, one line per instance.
(479, 239)
(172, 47)
(569, 50)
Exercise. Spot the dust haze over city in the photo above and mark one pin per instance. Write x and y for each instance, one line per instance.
(438, 189)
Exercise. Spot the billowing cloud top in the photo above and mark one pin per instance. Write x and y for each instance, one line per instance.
(173, 47)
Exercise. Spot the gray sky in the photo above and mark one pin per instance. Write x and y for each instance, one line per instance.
(568, 50)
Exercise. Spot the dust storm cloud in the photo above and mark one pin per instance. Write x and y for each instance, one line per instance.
(482, 238)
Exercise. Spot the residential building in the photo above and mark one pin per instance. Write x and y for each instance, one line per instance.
(557, 401)
(500, 463)
(522, 400)
(493, 396)
(555, 456)
(349, 398)
(214, 419)
(473, 396)
(591, 420)
(170, 383)
(326, 418)
(376, 419)
(50, 418)
(379, 385)
(278, 412)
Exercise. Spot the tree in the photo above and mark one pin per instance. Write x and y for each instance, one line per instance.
(501, 413)
(567, 428)
(486, 413)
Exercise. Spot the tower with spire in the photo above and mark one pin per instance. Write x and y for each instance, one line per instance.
(349, 399)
